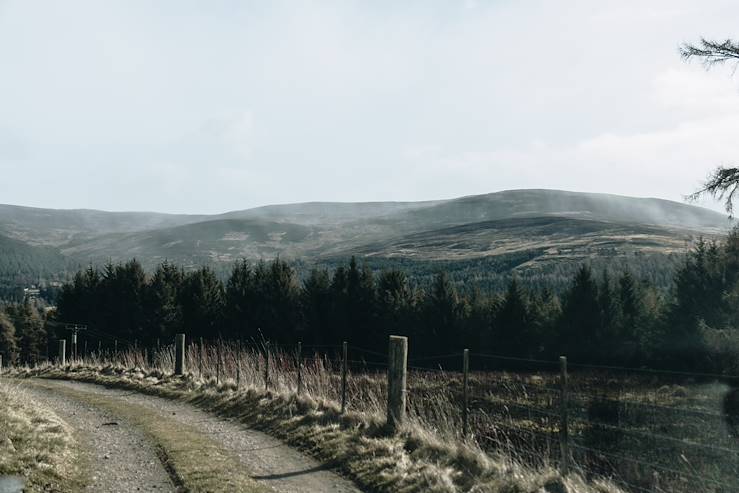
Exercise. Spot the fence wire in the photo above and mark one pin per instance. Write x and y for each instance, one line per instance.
(646, 429)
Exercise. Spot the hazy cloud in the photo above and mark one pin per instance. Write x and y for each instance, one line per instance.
(178, 106)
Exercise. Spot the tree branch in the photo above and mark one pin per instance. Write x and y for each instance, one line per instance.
(711, 52)
(722, 184)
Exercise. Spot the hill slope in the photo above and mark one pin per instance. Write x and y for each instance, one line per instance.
(22, 264)
(60, 226)
(539, 225)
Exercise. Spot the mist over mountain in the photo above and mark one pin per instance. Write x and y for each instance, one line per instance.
(538, 227)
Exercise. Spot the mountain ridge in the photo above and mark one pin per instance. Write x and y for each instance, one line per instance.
(584, 225)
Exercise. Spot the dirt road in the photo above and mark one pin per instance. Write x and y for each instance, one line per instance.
(136, 442)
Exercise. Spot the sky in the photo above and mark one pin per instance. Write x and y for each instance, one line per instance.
(205, 107)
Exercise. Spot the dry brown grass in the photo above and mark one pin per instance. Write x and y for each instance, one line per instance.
(426, 455)
(35, 444)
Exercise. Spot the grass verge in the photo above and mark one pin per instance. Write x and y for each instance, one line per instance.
(36, 445)
(412, 460)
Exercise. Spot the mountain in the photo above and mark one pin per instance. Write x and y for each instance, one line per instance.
(24, 264)
(553, 236)
(59, 226)
(533, 227)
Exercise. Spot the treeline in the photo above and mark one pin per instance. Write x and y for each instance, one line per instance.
(599, 318)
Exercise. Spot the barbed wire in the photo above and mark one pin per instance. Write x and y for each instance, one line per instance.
(650, 464)
(514, 358)
(640, 404)
(368, 351)
(652, 371)
(659, 436)
(529, 408)
(436, 357)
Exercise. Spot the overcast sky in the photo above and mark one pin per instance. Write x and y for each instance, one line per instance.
(188, 106)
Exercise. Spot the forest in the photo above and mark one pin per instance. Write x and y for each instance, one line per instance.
(618, 319)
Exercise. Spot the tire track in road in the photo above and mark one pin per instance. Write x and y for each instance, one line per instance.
(264, 462)
(188, 460)
(117, 456)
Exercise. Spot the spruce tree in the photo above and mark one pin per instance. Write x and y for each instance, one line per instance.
(8, 341)
(581, 317)
(513, 323)
(202, 302)
(315, 301)
(162, 304)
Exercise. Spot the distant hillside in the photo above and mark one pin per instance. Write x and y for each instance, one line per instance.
(553, 236)
(593, 206)
(60, 226)
(22, 264)
(196, 244)
(523, 229)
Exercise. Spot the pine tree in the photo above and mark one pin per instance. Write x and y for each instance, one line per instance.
(442, 316)
(240, 300)
(315, 300)
(580, 318)
(283, 302)
(610, 314)
(30, 333)
(8, 341)
(202, 302)
(513, 325)
(396, 304)
(162, 304)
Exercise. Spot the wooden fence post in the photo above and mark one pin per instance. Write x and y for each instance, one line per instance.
(300, 367)
(564, 445)
(74, 346)
(1, 363)
(266, 366)
(115, 347)
(465, 392)
(343, 377)
(61, 355)
(396, 381)
(179, 360)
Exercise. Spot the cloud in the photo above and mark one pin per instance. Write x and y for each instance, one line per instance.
(174, 107)
(231, 134)
(697, 91)
(667, 163)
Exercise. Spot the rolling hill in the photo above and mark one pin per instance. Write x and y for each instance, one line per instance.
(538, 227)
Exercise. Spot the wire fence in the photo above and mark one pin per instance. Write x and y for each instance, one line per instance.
(645, 429)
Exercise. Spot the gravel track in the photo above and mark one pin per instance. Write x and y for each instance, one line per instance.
(268, 460)
(119, 457)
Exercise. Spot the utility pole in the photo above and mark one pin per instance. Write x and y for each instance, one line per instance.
(75, 328)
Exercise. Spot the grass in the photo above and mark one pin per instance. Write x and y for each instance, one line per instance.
(426, 455)
(36, 445)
